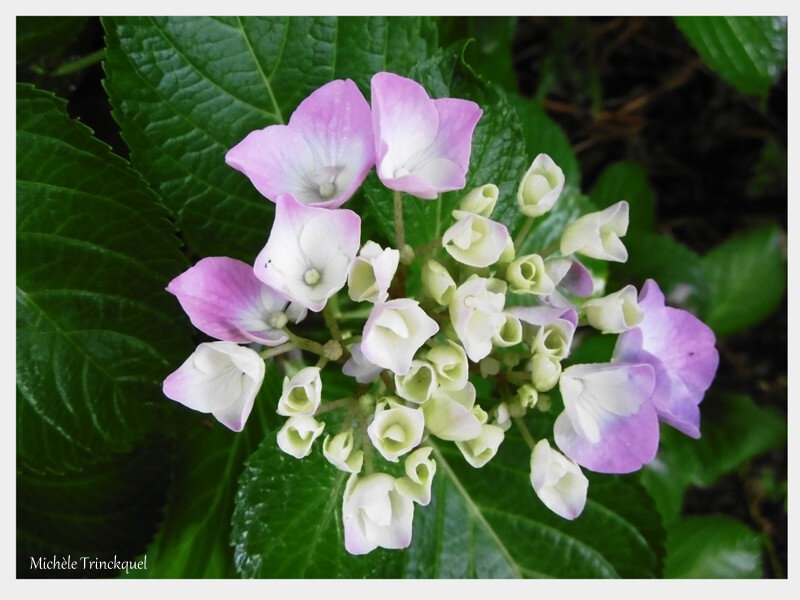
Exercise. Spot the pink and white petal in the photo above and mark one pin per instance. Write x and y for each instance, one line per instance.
(537, 315)
(457, 120)
(411, 184)
(404, 121)
(626, 443)
(336, 122)
(235, 415)
(277, 160)
(442, 174)
(220, 295)
(327, 233)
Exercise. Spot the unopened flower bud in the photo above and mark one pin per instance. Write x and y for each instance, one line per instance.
(450, 363)
(545, 372)
(480, 450)
(554, 338)
(375, 514)
(597, 234)
(420, 469)
(480, 414)
(332, 350)
(418, 384)
(396, 429)
(371, 273)
(489, 367)
(502, 416)
(298, 434)
(407, 255)
(302, 393)
(615, 312)
(527, 275)
(278, 320)
(540, 187)
(480, 200)
(508, 254)
(340, 453)
(474, 240)
(558, 481)
(448, 414)
(527, 396)
(438, 282)
(509, 334)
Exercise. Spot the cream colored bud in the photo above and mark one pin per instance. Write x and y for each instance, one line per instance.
(528, 275)
(298, 434)
(527, 396)
(418, 384)
(540, 187)
(480, 450)
(438, 282)
(509, 334)
(450, 363)
(396, 429)
(545, 372)
(420, 469)
(340, 453)
(480, 200)
(615, 312)
(302, 393)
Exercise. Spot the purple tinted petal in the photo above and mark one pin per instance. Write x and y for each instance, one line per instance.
(336, 122)
(578, 280)
(626, 443)
(537, 315)
(681, 348)
(224, 299)
(457, 120)
(277, 160)
(404, 121)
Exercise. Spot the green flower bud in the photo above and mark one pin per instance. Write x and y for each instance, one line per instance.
(527, 275)
(545, 372)
(450, 363)
(480, 200)
(510, 334)
(420, 469)
(438, 282)
(615, 312)
(396, 429)
(527, 396)
(298, 434)
(540, 187)
(480, 450)
(418, 384)
(339, 452)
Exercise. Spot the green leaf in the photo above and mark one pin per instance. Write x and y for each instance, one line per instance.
(626, 181)
(194, 539)
(746, 277)
(734, 430)
(96, 332)
(288, 520)
(471, 530)
(185, 90)
(112, 508)
(497, 154)
(748, 52)
(713, 547)
(489, 52)
(674, 266)
(543, 135)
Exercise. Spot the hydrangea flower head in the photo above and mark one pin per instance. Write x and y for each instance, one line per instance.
(320, 157)
(422, 146)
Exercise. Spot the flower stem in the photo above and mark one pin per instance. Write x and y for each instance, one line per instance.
(400, 240)
(340, 403)
(399, 231)
(523, 429)
(523, 233)
(278, 350)
(333, 327)
(305, 344)
(429, 247)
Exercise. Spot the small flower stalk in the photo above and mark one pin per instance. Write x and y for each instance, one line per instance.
(391, 353)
